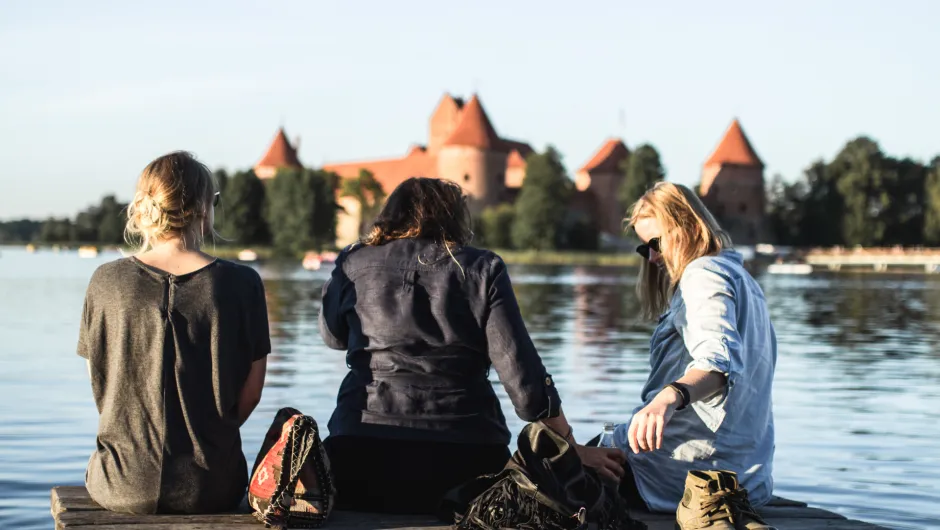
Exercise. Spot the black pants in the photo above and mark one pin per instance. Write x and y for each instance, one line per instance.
(628, 489)
(400, 476)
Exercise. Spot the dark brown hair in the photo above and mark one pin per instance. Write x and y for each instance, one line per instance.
(423, 208)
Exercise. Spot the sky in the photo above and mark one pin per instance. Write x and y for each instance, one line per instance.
(91, 91)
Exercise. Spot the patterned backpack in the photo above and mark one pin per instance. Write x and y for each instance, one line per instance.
(291, 460)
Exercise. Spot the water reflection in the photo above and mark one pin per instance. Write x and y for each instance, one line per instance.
(855, 393)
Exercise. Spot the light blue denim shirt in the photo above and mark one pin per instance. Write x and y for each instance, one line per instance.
(717, 320)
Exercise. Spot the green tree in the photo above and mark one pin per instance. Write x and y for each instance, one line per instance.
(821, 208)
(641, 170)
(932, 204)
(221, 179)
(302, 210)
(785, 210)
(862, 181)
(85, 227)
(542, 202)
(56, 230)
(494, 229)
(578, 232)
(242, 210)
(368, 193)
(19, 231)
(111, 221)
(904, 215)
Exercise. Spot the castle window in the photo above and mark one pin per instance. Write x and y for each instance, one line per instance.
(466, 177)
(743, 207)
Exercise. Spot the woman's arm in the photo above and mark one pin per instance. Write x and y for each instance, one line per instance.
(519, 366)
(708, 326)
(251, 392)
(607, 461)
(333, 327)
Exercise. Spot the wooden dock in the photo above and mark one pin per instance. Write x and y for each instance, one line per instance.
(72, 508)
(877, 259)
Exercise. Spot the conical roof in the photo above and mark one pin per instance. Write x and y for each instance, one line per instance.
(280, 153)
(734, 149)
(474, 128)
(608, 157)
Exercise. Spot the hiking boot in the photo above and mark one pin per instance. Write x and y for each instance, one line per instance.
(713, 500)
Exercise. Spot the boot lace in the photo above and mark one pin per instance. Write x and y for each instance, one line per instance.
(742, 506)
(716, 507)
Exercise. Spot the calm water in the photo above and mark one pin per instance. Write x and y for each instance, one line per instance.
(856, 395)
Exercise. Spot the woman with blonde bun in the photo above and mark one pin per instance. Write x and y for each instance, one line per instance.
(176, 342)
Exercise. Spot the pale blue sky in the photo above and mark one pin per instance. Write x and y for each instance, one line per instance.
(92, 91)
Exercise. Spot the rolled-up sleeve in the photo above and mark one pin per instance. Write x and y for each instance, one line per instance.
(529, 386)
(333, 326)
(708, 324)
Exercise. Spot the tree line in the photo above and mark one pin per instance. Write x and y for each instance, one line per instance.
(863, 196)
(294, 212)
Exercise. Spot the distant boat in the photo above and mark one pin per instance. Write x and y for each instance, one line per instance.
(247, 255)
(790, 268)
(30, 248)
(88, 252)
(312, 261)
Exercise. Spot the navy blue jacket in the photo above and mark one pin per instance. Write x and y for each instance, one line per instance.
(421, 328)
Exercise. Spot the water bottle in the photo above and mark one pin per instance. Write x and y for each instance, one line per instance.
(607, 437)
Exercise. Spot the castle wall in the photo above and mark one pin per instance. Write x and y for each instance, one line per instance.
(443, 123)
(606, 188)
(482, 174)
(736, 197)
(347, 223)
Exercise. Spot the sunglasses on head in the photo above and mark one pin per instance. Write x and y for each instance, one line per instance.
(215, 199)
(644, 249)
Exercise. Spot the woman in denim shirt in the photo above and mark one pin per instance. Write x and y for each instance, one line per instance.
(422, 317)
(707, 402)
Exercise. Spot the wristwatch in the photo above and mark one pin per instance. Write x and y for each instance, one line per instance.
(683, 392)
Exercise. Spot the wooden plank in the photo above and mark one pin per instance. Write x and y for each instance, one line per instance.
(72, 508)
(792, 524)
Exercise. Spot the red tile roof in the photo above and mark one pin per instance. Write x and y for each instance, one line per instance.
(280, 153)
(522, 150)
(608, 157)
(734, 149)
(515, 159)
(474, 128)
(391, 172)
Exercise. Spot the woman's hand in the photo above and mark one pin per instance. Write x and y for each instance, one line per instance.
(608, 462)
(646, 428)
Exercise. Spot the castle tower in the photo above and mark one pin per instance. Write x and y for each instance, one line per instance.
(733, 187)
(443, 122)
(472, 157)
(280, 154)
(602, 177)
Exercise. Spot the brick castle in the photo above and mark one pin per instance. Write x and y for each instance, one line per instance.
(464, 147)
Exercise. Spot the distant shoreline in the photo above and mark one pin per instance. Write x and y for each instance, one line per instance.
(513, 257)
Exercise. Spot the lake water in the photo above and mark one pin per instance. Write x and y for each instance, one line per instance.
(856, 396)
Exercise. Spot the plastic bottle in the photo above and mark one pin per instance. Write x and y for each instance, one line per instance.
(607, 437)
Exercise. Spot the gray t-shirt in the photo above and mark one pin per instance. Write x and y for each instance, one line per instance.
(169, 357)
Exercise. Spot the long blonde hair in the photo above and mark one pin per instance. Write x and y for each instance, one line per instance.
(174, 197)
(690, 231)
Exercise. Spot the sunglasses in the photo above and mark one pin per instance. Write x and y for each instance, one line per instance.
(644, 249)
(215, 199)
